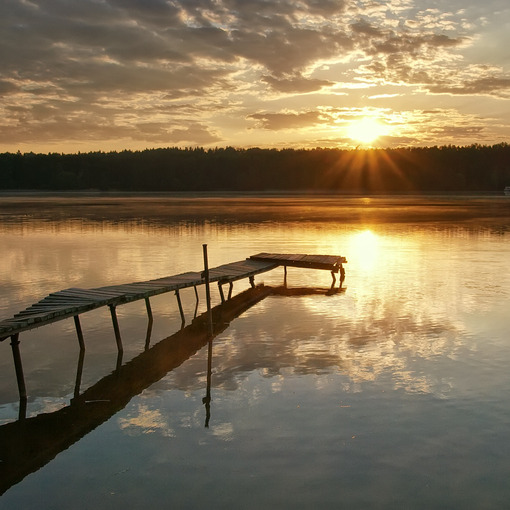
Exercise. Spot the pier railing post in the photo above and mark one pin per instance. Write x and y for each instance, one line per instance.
(207, 290)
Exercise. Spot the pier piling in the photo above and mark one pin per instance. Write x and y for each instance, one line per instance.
(18, 366)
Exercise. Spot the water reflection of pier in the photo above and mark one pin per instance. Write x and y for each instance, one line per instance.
(28, 444)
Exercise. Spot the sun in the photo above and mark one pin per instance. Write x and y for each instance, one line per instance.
(366, 130)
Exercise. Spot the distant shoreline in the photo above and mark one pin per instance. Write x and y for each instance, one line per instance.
(417, 171)
(238, 194)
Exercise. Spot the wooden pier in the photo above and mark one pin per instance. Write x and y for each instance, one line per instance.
(72, 302)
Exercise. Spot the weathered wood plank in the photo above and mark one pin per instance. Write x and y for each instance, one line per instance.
(330, 262)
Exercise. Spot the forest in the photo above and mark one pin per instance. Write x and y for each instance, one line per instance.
(475, 168)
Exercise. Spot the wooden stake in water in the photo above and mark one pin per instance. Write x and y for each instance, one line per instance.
(18, 366)
(207, 290)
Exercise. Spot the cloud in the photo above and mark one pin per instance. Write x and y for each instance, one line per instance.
(492, 85)
(106, 66)
(374, 40)
(277, 121)
(194, 133)
(458, 131)
(7, 87)
(296, 84)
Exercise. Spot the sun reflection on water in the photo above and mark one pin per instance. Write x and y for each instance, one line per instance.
(364, 249)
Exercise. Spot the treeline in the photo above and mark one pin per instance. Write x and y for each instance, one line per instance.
(427, 169)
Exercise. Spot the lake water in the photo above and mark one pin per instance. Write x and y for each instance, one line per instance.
(391, 394)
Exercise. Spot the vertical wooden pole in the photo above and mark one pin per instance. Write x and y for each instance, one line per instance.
(230, 288)
(22, 414)
(119, 360)
(197, 301)
(148, 335)
(79, 372)
(149, 323)
(181, 311)
(207, 290)
(285, 276)
(79, 332)
(222, 296)
(18, 366)
(149, 309)
(116, 328)
(252, 281)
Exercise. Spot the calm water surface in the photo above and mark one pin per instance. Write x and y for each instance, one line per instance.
(391, 394)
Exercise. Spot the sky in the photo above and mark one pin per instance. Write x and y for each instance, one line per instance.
(90, 75)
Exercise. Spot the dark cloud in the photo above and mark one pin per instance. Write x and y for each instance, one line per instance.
(364, 28)
(296, 84)
(193, 133)
(67, 59)
(458, 131)
(264, 32)
(375, 41)
(490, 85)
(277, 121)
(6, 87)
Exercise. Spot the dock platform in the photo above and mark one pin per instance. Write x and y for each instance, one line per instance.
(73, 302)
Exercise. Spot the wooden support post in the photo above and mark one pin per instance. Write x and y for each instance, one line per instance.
(196, 302)
(22, 413)
(252, 281)
(116, 328)
(149, 309)
(181, 311)
(207, 290)
(149, 323)
(79, 332)
(230, 288)
(285, 276)
(79, 372)
(18, 366)
(342, 275)
(148, 335)
(118, 365)
(220, 288)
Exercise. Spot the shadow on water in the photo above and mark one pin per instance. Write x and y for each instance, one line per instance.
(28, 444)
